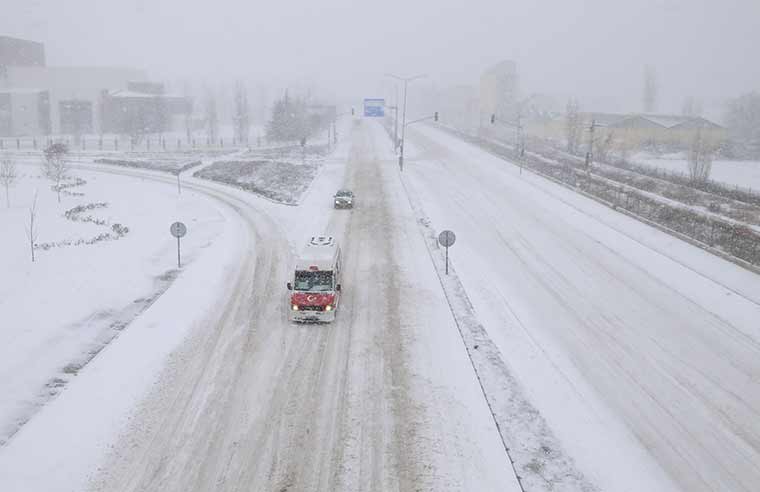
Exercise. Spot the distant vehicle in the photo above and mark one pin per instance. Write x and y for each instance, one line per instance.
(344, 199)
(316, 282)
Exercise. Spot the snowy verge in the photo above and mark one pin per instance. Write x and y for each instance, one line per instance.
(537, 456)
(62, 447)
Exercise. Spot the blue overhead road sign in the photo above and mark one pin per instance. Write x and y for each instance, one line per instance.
(374, 107)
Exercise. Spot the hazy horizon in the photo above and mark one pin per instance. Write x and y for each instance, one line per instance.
(595, 50)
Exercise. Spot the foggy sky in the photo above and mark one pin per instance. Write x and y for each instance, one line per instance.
(592, 49)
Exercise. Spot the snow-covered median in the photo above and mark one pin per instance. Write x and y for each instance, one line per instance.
(281, 175)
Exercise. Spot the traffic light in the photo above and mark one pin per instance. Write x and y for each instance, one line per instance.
(435, 116)
(493, 119)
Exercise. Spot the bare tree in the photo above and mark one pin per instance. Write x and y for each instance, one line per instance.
(573, 125)
(56, 166)
(31, 229)
(7, 177)
(211, 116)
(603, 146)
(188, 112)
(241, 114)
(743, 121)
(691, 107)
(701, 156)
(650, 89)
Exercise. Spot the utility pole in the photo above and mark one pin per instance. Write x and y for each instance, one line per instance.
(406, 81)
(590, 152)
(519, 144)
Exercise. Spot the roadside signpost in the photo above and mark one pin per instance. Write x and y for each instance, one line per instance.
(178, 230)
(374, 108)
(447, 238)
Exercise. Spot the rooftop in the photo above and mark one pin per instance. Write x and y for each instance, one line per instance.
(666, 121)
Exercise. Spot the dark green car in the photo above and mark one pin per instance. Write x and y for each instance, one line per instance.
(344, 199)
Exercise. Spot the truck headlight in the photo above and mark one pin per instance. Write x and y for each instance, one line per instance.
(295, 307)
(328, 307)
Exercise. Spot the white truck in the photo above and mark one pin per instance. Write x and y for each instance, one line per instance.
(315, 289)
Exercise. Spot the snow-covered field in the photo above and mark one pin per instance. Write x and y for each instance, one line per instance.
(87, 282)
(744, 174)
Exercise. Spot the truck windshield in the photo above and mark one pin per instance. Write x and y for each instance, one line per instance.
(314, 281)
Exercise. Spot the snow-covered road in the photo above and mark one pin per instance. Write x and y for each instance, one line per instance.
(382, 399)
(642, 351)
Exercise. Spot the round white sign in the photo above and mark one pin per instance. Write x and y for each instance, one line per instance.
(178, 229)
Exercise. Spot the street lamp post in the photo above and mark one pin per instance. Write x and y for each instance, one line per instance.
(395, 123)
(395, 126)
(406, 81)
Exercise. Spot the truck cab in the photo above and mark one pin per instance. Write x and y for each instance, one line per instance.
(315, 286)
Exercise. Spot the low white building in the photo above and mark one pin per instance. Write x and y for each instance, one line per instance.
(24, 112)
(70, 87)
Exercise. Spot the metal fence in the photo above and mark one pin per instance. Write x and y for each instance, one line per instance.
(121, 143)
